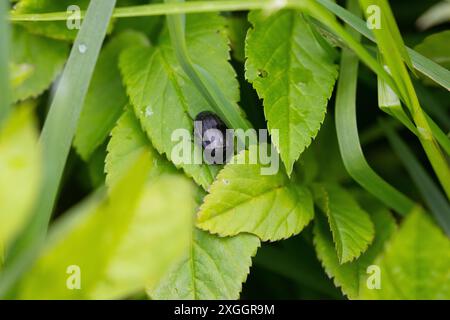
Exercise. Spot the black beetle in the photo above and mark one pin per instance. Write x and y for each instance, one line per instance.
(210, 130)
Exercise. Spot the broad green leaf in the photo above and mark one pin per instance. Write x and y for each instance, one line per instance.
(214, 268)
(20, 166)
(127, 142)
(294, 73)
(273, 207)
(350, 225)
(42, 58)
(437, 48)
(352, 276)
(164, 98)
(20, 73)
(120, 242)
(106, 96)
(415, 264)
(54, 29)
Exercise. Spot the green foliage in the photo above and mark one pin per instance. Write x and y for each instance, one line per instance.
(54, 29)
(243, 200)
(415, 263)
(127, 220)
(20, 171)
(106, 96)
(351, 226)
(127, 142)
(437, 48)
(42, 58)
(103, 237)
(214, 268)
(294, 74)
(352, 276)
(164, 99)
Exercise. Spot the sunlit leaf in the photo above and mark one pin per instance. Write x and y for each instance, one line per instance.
(415, 264)
(20, 167)
(273, 207)
(294, 73)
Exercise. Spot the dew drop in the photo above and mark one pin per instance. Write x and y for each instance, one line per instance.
(226, 182)
(82, 48)
(148, 111)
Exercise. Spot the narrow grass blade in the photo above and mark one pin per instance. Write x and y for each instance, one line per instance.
(57, 134)
(4, 58)
(394, 54)
(204, 83)
(429, 68)
(432, 195)
(349, 145)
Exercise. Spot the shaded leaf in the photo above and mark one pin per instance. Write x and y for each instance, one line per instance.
(352, 276)
(437, 48)
(350, 225)
(20, 166)
(106, 97)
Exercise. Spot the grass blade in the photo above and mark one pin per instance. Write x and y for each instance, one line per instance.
(205, 85)
(4, 58)
(349, 145)
(57, 134)
(429, 68)
(432, 195)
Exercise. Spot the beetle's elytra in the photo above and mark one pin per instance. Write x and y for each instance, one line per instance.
(211, 131)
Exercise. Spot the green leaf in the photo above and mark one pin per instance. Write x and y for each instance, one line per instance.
(350, 225)
(163, 96)
(43, 57)
(116, 240)
(106, 96)
(5, 45)
(437, 48)
(127, 142)
(54, 29)
(352, 276)
(57, 134)
(415, 264)
(214, 268)
(294, 73)
(237, 27)
(20, 167)
(243, 200)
